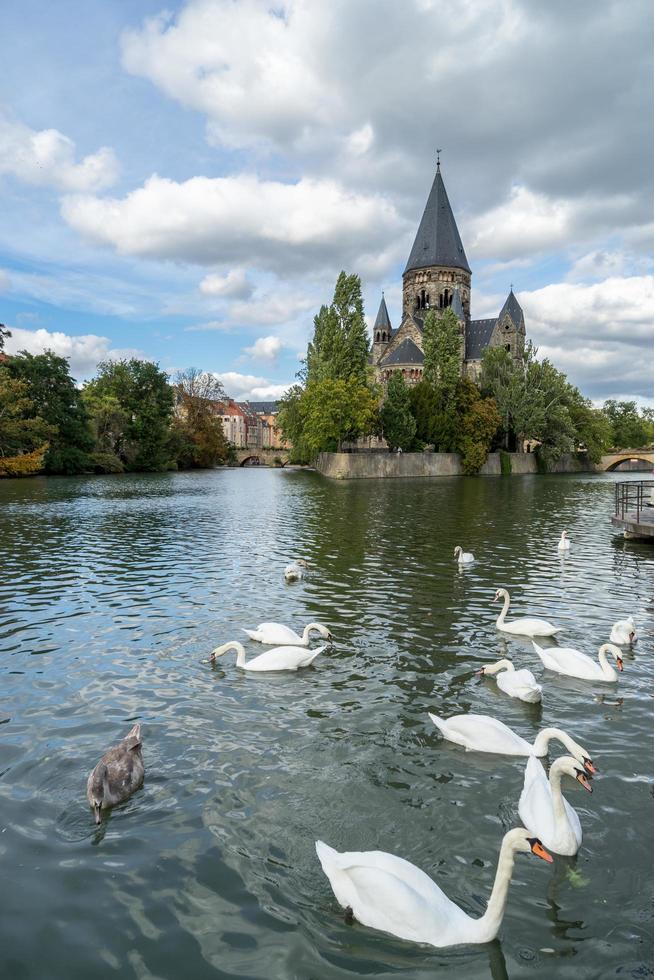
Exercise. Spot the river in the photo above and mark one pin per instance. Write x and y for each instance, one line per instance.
(113, 592)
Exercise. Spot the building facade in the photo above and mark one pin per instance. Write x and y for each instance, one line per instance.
(437, 276)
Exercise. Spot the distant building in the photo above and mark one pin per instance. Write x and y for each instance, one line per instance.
(234, 421)
(250, 425)
(437, 276)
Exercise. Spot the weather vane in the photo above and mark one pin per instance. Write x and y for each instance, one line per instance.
(438, 157)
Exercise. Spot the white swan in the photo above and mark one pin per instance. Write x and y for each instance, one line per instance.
(522, 627)
(574, 663)
(278, 633)
(516, 683)
(295, 571)
(564, 542)
(464, 557)
(544, 811)
(624, 632)
(481, 733)
(281, 658)
(388, 893)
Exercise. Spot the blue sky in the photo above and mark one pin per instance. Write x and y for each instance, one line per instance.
(186, 181)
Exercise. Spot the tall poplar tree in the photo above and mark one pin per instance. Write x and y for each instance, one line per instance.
(442, 348)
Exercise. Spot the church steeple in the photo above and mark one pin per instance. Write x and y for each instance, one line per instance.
(382, 329)
(438, 242)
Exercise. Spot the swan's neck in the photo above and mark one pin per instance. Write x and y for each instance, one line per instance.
(544, 738)
(488, 925)
(558, 806)
(233, 645)
(505, 609)
(500, 665)
(306, 636)
(607, 669)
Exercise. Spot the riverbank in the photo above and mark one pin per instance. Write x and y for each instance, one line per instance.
(375, 466)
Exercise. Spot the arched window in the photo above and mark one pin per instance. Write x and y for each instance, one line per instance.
(427, 301)
(508, 347)
(384, 337)
(378, 336)
(417, 306)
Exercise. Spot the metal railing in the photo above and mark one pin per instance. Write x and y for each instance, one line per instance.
(633, 496)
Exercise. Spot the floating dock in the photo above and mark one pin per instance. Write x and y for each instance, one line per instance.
(634, 508)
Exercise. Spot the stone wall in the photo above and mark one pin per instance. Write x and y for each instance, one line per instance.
(371, 466)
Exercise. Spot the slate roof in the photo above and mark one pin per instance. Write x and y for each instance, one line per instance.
(513, 308)
(383, 321)
(438, 241)
(406, 353)
(478, 335)
(264, 408)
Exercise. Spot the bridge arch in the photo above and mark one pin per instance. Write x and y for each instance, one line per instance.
(612, 461)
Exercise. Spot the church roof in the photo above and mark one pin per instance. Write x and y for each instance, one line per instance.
(438, 241)
(478, 335)
(406, 353)
(383, 321)
(513, 308)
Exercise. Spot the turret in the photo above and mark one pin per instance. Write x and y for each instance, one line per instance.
(381, 332)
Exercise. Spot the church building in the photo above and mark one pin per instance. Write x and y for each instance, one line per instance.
(437, 276)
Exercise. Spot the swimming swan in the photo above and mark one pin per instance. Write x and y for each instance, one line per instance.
(481, 733)
(516, 683)
(388, 893)
(522, 627)
(464, 557)
(624, 632)
(295, 571)
(281, 658)
(543, 809)
(564, 542)
(117, 775)
(574, 663)
(278, 633)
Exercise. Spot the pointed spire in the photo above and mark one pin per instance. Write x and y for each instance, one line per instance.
(438, 241)
(513, 308)
(383, 321)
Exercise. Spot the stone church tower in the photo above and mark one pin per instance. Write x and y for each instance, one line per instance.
(437, 276)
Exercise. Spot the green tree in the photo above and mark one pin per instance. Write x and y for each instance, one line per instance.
(397, 422)
(334, 411)
(58, 402)
(290, 422)
(4, 333)
(141, 391)
(630, 429)
(22, 431)
(197, 430)
(340, 347)
(477, 423)
(593, 432)
(442, 348)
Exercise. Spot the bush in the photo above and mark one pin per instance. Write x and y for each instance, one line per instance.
(505, 463)
(106, 463)
(28, 464)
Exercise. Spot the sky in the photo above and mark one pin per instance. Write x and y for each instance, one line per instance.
(183, 181)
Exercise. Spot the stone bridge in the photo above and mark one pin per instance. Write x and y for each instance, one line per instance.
(261, 457)
(612, 460)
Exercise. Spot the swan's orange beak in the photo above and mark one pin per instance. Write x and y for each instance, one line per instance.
(538, 849)
(584, 782)
(619, 663)
(589, 767)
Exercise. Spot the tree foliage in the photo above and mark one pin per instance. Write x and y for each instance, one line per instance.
(442, 343)
(4, 334)
(58, 401)
(23, 434)
(340, 346)
(197, 433)
(630, 429)
(335, 410)
(397, 422)
(135, 402)
(477, 423)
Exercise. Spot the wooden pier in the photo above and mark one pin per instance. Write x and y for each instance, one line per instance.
(634, 508)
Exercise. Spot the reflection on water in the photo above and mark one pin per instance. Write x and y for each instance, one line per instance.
(114, 590)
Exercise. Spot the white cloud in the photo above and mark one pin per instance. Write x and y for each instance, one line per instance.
(265, 348)
(209, 325)
(269, 310)
(235, 285)
(83, 352)
(250, 387)
(47, 158)
(240, 218)
(599, 334)
(5, 281)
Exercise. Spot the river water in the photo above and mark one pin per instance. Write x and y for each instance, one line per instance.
(114, 590)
